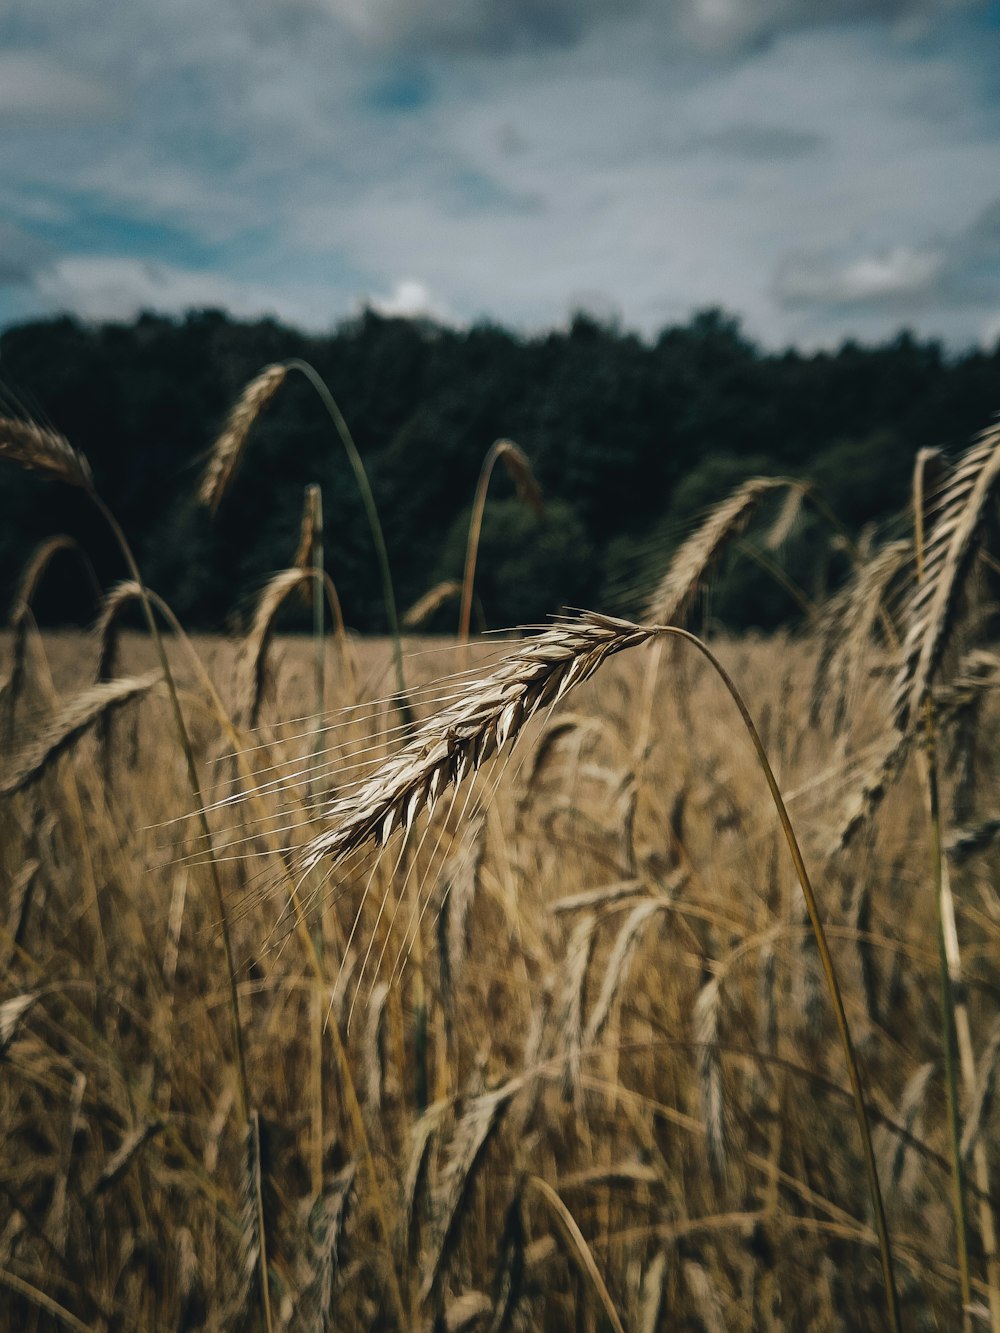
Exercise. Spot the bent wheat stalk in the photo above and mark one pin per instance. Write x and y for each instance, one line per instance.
(490, 714)
(228, 451)
(516, 462)
(942, 559)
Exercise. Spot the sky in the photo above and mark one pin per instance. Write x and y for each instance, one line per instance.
(820, 168)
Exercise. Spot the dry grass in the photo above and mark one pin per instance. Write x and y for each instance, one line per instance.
(532, 1035)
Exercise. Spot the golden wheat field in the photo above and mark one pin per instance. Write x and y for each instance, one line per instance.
(507, 1003)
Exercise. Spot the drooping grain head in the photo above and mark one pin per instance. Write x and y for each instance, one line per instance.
(488, 715)
(424, 607)
(515, 460)
(70, 723)
(725, 522)
(228, 449)
(252, 659)
(45, 451)
(950, 544)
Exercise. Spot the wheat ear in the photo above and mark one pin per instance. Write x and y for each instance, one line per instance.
(725, 521)
(44, 451)
(228, 448)
(489, 714)
(71, 722)
(424, 607)
(950, 547)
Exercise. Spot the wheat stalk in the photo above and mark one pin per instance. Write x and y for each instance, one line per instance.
(130, 1147)
(228, 448)
(519, 469)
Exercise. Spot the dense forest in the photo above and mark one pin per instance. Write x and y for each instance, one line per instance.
(630, 439)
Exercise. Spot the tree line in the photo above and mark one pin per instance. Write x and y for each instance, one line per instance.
(630, 439)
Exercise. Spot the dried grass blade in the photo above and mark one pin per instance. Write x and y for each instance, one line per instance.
(577, 1249)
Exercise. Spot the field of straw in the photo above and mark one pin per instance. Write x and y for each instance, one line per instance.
(605, 978)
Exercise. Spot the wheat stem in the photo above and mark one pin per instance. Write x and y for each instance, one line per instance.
(371, 511)
(826, 959)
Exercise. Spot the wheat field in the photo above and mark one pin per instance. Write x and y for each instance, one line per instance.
(505, 1003)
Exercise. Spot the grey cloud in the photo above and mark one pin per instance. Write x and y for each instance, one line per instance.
(20, 255)
(733, 24)
(34, 87)
(476, 26)
(961, 271)
(889, 277)
(766, 143)
(504, 26)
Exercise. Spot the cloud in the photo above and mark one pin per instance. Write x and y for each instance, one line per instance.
(34, 86)
(410, 298)
(20, 255)
(507, 27)
(475, 26)
(300, 157)
(734, 24)
(763, 142)
(895, 276)
(109, 287)
(960, 271)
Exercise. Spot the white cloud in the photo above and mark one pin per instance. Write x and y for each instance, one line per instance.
(411, 298)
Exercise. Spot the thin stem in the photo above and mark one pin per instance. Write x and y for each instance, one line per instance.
(314, 506)
(472, 549)
(195, 785)
(954, 1016)
(826, 959)
(371, 510)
